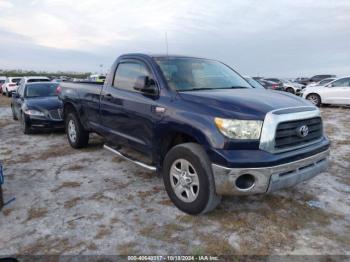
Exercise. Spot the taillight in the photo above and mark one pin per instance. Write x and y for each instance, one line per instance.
(274, 86)
(58, 90)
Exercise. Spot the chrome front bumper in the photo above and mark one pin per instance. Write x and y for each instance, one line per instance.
(269, 179)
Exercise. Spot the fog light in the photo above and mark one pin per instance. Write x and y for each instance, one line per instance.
(245, 182)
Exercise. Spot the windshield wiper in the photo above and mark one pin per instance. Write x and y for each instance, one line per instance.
(232, 87)
(194, 89)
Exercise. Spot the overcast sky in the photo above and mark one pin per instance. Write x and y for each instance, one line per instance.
(271, 38)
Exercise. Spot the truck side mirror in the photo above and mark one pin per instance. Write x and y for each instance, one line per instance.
(146, 85)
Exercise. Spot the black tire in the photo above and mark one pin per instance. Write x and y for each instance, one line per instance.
(290, 90)
(26, 129)
(206, 199)
(314, 98)
(13, 113)
(81, 135)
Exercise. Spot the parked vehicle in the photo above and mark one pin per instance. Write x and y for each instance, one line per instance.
(253, 82)
(335, 92)
(270, 85)
(32, 79)
(288, 86)
(293, 88)
(302, 80)
(10, 86)
(57, 80)
(318, 78)
(97, 78)
(322, 82)
(200, 125)
(37, 106)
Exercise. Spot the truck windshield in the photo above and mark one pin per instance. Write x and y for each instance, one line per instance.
(187, 74)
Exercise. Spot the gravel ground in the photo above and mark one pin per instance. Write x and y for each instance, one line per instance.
(90, 202)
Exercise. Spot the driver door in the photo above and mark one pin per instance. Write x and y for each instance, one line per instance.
(127, 114)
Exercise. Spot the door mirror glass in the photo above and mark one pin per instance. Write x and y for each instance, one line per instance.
(146, 85)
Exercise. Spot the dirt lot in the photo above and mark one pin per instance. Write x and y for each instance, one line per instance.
(90, 202)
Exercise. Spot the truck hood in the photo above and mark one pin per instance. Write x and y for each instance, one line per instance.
(243, 103)
(47, 103)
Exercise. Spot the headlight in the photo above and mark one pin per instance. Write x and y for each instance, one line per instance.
(239, 129)
(32, 112)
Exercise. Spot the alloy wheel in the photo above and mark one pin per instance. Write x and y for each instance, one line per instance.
(72, 131)
(184, 180)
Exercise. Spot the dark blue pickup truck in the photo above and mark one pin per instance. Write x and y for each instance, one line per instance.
(199, 124)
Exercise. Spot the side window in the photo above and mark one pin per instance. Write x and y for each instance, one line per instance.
(128, 73)
(344, 82)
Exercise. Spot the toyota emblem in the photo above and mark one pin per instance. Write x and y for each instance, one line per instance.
(303, 131)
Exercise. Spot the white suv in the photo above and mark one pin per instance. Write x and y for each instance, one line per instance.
(31, 79)
(10, 85)
(335, 92)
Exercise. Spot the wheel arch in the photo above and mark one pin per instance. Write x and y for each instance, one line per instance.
(174, 137)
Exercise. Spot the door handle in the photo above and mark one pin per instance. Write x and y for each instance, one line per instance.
(158, 109)
(108, 96)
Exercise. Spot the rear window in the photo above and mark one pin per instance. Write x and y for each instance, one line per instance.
(2, 81)
(41, 90)
(38, 80)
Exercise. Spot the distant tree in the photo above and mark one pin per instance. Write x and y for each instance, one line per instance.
(19, 72)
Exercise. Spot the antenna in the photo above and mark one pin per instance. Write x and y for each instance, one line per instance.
(166, 43)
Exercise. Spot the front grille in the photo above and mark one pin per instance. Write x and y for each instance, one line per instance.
(55, 114)
(288, 134)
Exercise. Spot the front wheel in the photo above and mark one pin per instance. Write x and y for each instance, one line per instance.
(13, 113)
(77, 136)
(25, 125)
(315, 99)
(188, 179)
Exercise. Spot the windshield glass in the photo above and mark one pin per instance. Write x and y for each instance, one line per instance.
(184, 74)
(325, 81)
(16, 80)
(41, 90)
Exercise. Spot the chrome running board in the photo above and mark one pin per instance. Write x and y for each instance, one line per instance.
(116, 152)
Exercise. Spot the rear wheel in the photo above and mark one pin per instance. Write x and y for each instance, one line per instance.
(315, 99)
(188, 179)
(290, 90)
(77, 136)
